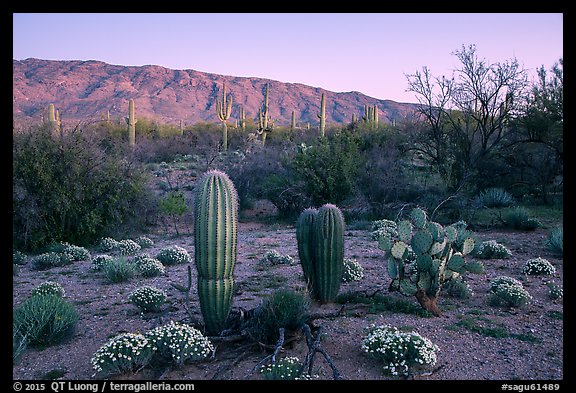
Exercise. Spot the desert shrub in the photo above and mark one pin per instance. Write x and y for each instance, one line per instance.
(15, 270)
(384, 227)
(538, 266)
(273, 257)
(107, 244)
(287, 368)
(18, 258)
(119, 270)
(178, 343)
(555, 241)
(147, 298)
(507, 291)
(127, 247)
(491, 249)
(75, 253)
(19, 344)
(144, 241)
(126, 352)
(149, 267)
(60, 194)
(49, 260)
(555, 291)
(401, 352)
(458, 288)
(519, 218)
(49, 288)
(99, 261)
(173, 255)
(45, 320)
(352, 271)
(284, 308)
(494, 197)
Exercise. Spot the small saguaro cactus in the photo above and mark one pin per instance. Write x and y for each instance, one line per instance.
(215, 242)
(131, 121)
(322, 115)
(52, 118)
(422, 257)
(223, 110)
(320, 236)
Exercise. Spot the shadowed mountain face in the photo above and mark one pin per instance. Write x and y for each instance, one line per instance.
(86, 90)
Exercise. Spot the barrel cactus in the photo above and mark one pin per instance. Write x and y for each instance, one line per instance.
(436, 262)
(320, 236)
(215, 241)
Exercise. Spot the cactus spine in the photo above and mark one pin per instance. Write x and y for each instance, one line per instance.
(131, 121)
(223, 110)
(320, 236)
(215, 241)
(322, 115)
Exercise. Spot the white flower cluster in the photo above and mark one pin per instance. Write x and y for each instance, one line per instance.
(107, 244)
(401, 352)
(144, 241)
(555, 291)
(74, 253)
(538, 266)
(147, 298)
(123, 353)
(150, 267)
(48, 260)
(128, 247)
(275, 258)
(49, 288)
(99, 261)
(352, 271)
(491, 249)
(384, 227)
(509, 292)
(284, 369)
(179, 342)
(173, 255)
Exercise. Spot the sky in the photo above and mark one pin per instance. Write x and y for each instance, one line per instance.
(366, 52)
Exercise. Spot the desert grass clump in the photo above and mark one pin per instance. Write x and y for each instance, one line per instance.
(126, 352)
(273, 257)
(99, 261)
(555, 241)
(538, 266)
(173, 255)
(519, 218)
(147, 298)
(128, 247)
(284, 308)
(494, 197)
(491, 249)
(45, 320)
(353, 271)
(19, 345)
(144, 241)
(149, 267)
(287, 368)
(49, 288)
(119, 270)
(107, 244)
(507, 291)
(401, 352)
(178, 343)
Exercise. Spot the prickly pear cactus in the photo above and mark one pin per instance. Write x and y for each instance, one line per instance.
(436, 259)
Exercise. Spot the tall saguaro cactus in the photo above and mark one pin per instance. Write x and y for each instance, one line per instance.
(320, 236)
(215, 242)
(264, 123)
(293, 122)
(223, 110)
(375, 116)
(131, 121)
(52, 118)
(322, 115)
(242, 118)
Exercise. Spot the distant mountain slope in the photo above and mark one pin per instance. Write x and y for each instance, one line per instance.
(83, 90)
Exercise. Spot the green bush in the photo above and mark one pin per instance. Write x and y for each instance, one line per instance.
(49, 260)
(149, 267)
(147, 298)
(287, 368)
(126, 352)
(519, 218)
(555, 291)
(18, 258)
(352, 271)
(72, 187)
(494, 197)
(99, 261)
(273, 257)
(458, 288)
(107, 244)
(119, 270)
(507, 291)
(491, 249)
(173, 255)
(555, 241)
(538, 266)
(45, 320)
(144, 241)
(127, 247)
(19, 344)
(49, 288)
(75, 253)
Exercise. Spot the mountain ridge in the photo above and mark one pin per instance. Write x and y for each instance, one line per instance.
(86, 89)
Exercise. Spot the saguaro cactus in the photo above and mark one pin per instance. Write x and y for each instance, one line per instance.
(375, 116)
(52, 118)
(264, 122)
(223, 110)
(322, 115)
(131, 121)
(215, 241)
(320, 236)
(293, 122)
(242, 118)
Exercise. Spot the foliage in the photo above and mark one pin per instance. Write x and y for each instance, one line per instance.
(174, 205)
(353, 270)
(45, 320)
(494, 197)
(508, 291)
(18, 258)
(173, 255)
(149, 267)
(538, 266)
(458, 288)
(519, 218)
(119, 270)
(48, 260)
(555, 291)
(381, 228)
(402, 353)
(273, 257)
(107, 244)
(147, 298)
(144, 241)
(99, 261)
(123, 353)
(555, 241)
(287, 368)
(49, 288)
(491, 249)
(127, 247)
